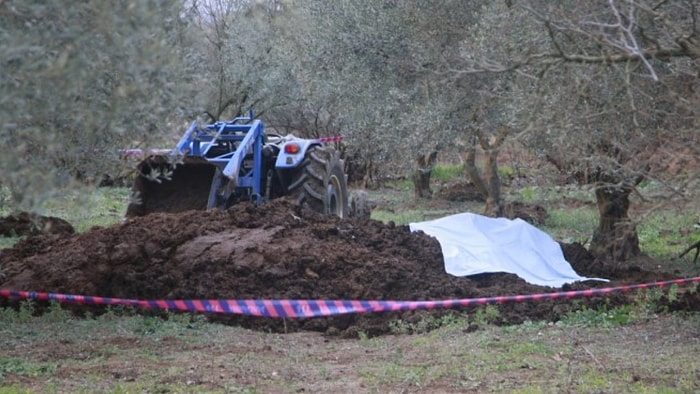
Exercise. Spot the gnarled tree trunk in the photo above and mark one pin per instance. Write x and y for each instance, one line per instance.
(495, 206)
(421, 175)
(488, 184)
(615, 239)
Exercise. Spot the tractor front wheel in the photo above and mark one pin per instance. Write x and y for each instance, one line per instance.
(321, 184)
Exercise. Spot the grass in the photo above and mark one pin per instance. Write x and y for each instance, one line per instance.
(663, 234)
(100, 207)
(571, 225)
(527, 358)
(447, 172)
(401, 218)
(22, 368)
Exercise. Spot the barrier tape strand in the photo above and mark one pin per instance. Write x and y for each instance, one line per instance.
(318, 308)
(330, 139)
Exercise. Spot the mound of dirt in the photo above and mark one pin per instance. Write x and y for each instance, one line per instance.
(275, 251)
(459, 191)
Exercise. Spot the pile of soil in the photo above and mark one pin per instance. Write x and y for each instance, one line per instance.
(278, 251)
(459, 191)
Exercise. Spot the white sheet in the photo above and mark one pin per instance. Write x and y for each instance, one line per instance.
(474, 244)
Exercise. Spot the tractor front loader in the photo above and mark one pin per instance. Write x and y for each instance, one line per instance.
(219, 164)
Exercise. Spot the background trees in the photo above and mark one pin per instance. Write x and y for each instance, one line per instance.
(77, 83)
(605, 90)
(623, 78)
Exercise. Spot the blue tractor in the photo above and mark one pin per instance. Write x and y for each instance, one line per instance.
(220, 164)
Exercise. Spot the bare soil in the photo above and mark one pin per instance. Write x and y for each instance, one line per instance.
(278, 251)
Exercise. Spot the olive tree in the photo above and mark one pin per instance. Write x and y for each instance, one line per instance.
(624, 77)
(340, 55)
(380, 73)
(79, 82)
(483, 102)
(594, 86)
(240, 56)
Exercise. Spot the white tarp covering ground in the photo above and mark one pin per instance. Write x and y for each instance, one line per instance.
(474, 244)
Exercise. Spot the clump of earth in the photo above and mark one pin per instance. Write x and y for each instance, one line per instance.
(25, 223)
(279, 251)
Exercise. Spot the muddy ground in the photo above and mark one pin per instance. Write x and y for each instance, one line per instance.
(278, 251)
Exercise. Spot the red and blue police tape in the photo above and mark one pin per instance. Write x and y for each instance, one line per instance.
(318, 308)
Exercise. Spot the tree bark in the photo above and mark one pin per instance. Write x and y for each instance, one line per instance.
(615, 239)
(473, 172)
(495, 206)
(421, 175)
(488, 184)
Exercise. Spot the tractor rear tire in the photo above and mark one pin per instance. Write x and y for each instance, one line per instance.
(321, 184)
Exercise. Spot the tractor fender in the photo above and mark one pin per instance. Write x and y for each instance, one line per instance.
(287, 160)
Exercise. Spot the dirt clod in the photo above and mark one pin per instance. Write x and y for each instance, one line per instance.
(25, 223)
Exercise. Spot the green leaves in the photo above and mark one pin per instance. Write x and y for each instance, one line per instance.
(78, 84)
